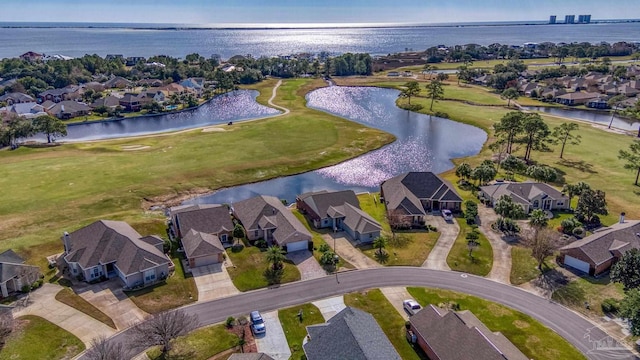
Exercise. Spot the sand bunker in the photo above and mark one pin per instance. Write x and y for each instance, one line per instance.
(134, 147)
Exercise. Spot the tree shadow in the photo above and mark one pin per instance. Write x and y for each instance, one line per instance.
(579, 165)
(382, 257)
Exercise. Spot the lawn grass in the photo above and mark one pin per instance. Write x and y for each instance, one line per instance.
(295, 329)
(99, 180)
(590, 290)
(527, 334)
(249, 265)
(524, 267)
(376, 304)
(200, 344)
(459, 259)
(36, 338)
(318, 241)
(67, 296)
(178, 290)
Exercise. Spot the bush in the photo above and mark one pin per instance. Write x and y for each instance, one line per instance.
(37, 284)
(610, 306)
(26, 288)
(328, 258)
(324, 248)
(430, 227)
(578, 232)
(569, 224)
(441, 114)
(261, 244)
(230, 321)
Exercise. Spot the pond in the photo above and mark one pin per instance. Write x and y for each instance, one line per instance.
(598, 117)
(424, 143)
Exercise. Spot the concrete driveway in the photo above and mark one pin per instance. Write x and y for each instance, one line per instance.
(347, 250)
(213, 282)
(307, 265)
(273, 342)
(501, 270)
(396, 295)
(331, 306)
(437, 259)
(111, 300)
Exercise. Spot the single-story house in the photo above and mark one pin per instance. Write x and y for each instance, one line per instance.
(576, 98)
(454, 335)
(108, 249)
(351, 334)
(29, 110)
(118, 82)
(16, 98)
(596, 253)
(529, 195)
(110, 102)
(250, 356)
(339, 210)
(31, 56)
(68, 109)
(71, 92)
(411, 195)
(14, 273)
(209, 219)
(265, 217)
(150, 82)
(202, 249)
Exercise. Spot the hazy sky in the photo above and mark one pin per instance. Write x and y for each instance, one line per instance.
(310, 11)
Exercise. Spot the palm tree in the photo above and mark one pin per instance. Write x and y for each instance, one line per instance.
(538, 219)
(380, 243)
(275, 256)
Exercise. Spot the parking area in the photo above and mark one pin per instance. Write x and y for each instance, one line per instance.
(330, 307)
(273, 342)
(213, 282)
(396, 295)
(307, 265)
(111, 300)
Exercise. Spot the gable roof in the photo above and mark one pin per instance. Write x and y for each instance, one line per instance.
(263, 212)
(524, 192)
(404, 192)
(68, 106)
(345, 204)
(107, 241)
(210, 219)
(460, 335)
(197, 243)
(17, 96)
(351, 334)
(600, 246)
(12, 265)
(9, 256)
(250, 356)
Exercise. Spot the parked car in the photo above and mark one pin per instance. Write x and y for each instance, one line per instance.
(447, 215)
(411, 306)
(257, 323)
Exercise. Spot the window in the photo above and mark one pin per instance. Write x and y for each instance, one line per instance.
(223, 237)
(257, 233)
(149, 275)
(560, 203)
(96, 271)
(370, 235)
(536, 203)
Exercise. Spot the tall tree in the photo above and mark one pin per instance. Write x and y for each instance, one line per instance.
(473, 241)
(50, 126)
(275, 256)
(411, 89)
(510, 94)
(509, 126)
(630, 310)
(484, 173)
(562, 134)
(505, 207)
(463, 171)
(380, 243)
(434, 91)
(535, 132)
(512, 164)
(161, 329)
(591, 203)
(632, 158)
(573, 190)
(627, 270)
(542, 243)
(613, 103)
(103, 349)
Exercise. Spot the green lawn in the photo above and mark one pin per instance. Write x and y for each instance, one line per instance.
(459, 260)
(200, 344)
(590, 290)
(36, 338)
(530, 336)
(524, 267)
(376, 304)
(295, 330)
(67, 296)
(249, 265)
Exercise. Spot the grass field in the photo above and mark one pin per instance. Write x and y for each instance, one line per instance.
(295, 329)
(590, 290)
(36, 338)
(530, 336)
(249, 265)
(459, 260)
(67, 296)
(200, 344)
(524, 267)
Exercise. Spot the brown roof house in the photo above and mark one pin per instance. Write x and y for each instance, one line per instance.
(202, 249)
(16, 98)
(339, 210)
(108, 249)
(451, 335)
(14, 273)
(265, 217)
(250, 356)
(596, 253)
(209, 219)
(576, 98)
(67, 109)
(412, 195)
(529, 195)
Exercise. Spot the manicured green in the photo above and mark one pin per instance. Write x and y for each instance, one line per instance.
(200, 344)
(590, 290)
(295, 329)
(459, 260)
(524, 267)
(249, 265)
(527, 334)
(36, 338)
(67, 296)
(393, 325)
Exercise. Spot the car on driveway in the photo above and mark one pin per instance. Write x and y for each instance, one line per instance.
(257, 323)
(447, 215)
(411, 306)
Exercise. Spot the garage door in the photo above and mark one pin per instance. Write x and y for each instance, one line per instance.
(206, 260)
(297, 246)
(576, 264)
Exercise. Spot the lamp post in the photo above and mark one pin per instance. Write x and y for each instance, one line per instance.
(335, 258)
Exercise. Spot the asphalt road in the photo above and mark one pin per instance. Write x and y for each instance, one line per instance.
(590, 340)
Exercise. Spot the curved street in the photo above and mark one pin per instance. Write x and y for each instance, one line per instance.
(583, 334)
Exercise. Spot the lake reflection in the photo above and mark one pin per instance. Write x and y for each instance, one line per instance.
(424, 143)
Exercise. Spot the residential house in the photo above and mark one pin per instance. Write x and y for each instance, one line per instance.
(596, 253)
(452, 335)
(576, 98)
(133, 60)
(68, 109)
(108, 249)
(172, 88)
(551, 92)
(250, 356)
(14, 273)
(351, 334)
(598, 103)
(110, 57)
(265, 217)
(71, 92)
(110, 102)
(29, 110)
(195, 85)
(529, 195)
(150, 96)
(339, 210)
(94, 85)
(118, 82)
(210, 219)
(625, 89)
(202, 249)
(150, 82)
(31, 56)
(411, 195)
(16, 98)
(527, 88)
(131, 102)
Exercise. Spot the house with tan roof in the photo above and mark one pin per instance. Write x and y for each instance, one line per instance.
(529, 195)
(576, 98)
(211, 219)
(202, 249)
(16, 98)
(67, 109)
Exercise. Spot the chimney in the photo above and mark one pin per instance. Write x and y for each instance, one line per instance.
(622, 214)
(66, 239)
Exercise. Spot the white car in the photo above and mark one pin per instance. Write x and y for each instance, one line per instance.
(411, 306)
(447, 215)
(257, 323)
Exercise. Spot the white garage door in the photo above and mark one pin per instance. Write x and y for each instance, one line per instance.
(206, 260)
(297, 246)
(576, 264)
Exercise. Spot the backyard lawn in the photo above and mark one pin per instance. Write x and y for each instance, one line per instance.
(36, 338)
(481, 261)
(249, 265)
(295, 328)
(530, 336)
(67, 296)
(200, 344)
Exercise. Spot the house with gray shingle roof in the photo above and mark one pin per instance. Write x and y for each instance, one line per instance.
(265, 217)
(451, 335)
(529, 195)
(207, 218)
(202, 249)
(351, 334)
(108, 249)
(68, 109)
(339, 210)
(28, 110)
(16, 98)
(411, 195)
(14, 273)
(250, 356)
(596, 253)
